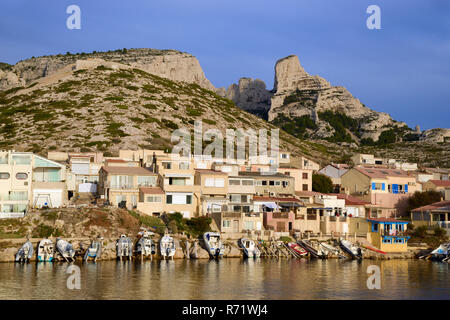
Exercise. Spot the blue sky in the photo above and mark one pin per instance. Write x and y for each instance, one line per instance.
(402, 69)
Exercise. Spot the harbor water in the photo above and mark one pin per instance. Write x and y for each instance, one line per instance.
(227, 279)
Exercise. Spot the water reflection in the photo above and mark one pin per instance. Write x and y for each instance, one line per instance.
(227, 279)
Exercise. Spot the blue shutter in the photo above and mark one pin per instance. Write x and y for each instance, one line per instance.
(395, 188)
(406, 188)
(373, 185)
(383, 186)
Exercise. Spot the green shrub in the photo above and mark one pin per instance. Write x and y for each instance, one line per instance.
(420, 232)
(153, 222)
(198, 226)
(45, 231)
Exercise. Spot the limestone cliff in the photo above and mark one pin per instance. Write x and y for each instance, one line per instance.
(171, 64)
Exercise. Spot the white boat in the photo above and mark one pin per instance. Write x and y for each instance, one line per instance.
(213, 244)
(94, 251)
(124, 247)
(145, 246)
(442, 252)
(25, 252)
(331, 249)
(353, 250)
(167, 247)
(65, 249)
(45, 250)
(250, 248)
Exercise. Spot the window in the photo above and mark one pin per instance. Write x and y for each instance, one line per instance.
(21, 159)
(169, 199)
(387, 240)
(285, 184)
(184, 165)
(215, 182)
(226, 223)
(378, 186)
(235, 198)
(287, 173)
(18, 195)
(305, 187)
(271, 183)
(305, 175)
(4, 175)
(188, 199)
(167, 165)
(247, 182)
(278, 183)
(154, 199)
(146, 181)
(21, 176)
(399, 240)
(235, 182)
(177, 181)
(264, 183)
(248, 225)
(244, 198)
(209, 182)
(284, 156)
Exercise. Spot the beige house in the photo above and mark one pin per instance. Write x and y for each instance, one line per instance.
(213, 190)
(382, 187)
(272, 185)
(437, 185)
(152, 201)
(120, 185)
(302, 177)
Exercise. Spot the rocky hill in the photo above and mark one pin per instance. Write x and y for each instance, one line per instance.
(93, 104)
(310, 107)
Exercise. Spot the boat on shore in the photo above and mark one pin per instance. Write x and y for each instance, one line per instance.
(297, 249)
(353, 250)
(441, 253)
(167, 247)
(94, 251)
(213, 244)
(65, 249)
(145, 246)
(314, 251)
(45, 251)
(25, 252)
(249, 248)
(124, 247)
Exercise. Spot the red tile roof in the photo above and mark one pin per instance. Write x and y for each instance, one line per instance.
(433, 206)
(382, 173)
(440, 183)
(307, 193)
(151, 190)
(350, 200)
(386, 220)
(115, 160)
(208, 171)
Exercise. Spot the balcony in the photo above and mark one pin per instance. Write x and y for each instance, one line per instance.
(253, 214)
(231, 214)
(280, 215)
(444, 224)
(311, 217)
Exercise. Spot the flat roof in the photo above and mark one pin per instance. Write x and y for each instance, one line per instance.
(151, 190)
(129, 170)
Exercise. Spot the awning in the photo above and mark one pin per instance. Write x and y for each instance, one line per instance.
(290, 204)
(271, 205)
(177, 175)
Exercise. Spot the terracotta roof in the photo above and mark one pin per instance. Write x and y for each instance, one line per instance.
(151, 190)
(128, 170)
(386, 220)
(382, 173)
(307, 193)
(275, 199)
(433, 206)
(440, 183)
(115, 160)
(263, 174)
(350, 200)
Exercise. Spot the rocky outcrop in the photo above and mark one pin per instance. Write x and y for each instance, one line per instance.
(436, 135)
(171, 64)
(250, 95)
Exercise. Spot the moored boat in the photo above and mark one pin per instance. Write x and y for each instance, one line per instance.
(94, 251)
(65, 249)
(213, 244)
(314, 251)
(167, 247)
(353, 250)
(441, 253)
(249, 248)
(297, 249)
(124, 247)
(145, 246)
(25, 253)
(45, 251)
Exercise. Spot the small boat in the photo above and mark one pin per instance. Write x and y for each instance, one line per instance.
(353, 250)
(250, 248)
(213, 244)
(94, 251)
(297, 249)
(145, 246)
(25, 252)
(65, 249)
(441, 252)
(45, 250)
(124, 247)
(314, 251)
(167, 247)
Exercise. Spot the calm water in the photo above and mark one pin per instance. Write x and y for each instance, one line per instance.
(228, 279)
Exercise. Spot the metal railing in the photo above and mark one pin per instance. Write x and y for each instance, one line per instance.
(280, 215)
(444, 224)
